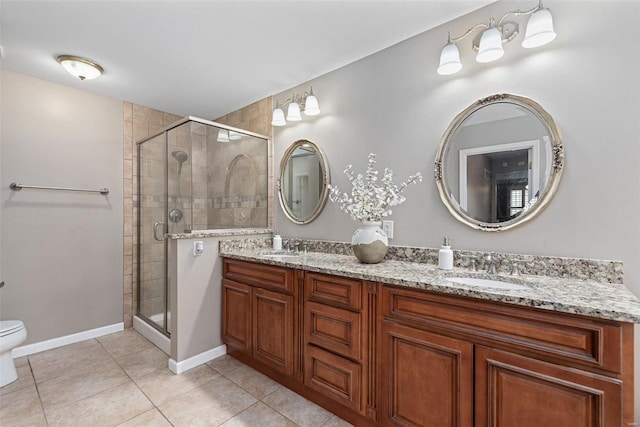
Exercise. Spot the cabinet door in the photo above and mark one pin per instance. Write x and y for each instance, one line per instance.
(427, 379)
(513, 390)
(273, 329)
(236, 315)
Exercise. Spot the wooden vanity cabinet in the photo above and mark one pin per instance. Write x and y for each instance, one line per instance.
(454, 361)
(258, 314)
(314, 333)
(386, 355)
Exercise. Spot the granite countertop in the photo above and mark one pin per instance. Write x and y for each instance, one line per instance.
(610, 301)
(222, 232)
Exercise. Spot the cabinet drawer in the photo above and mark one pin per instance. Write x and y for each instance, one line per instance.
(558, 336)
(333, 290)
(333, 376)
(262, 275)
(333, 328)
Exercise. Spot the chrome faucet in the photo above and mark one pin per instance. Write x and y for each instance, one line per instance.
(490, 263)
(473, 264)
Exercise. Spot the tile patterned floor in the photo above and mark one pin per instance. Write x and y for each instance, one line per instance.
(123, 380)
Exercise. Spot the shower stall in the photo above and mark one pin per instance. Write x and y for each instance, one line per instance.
(193, 175)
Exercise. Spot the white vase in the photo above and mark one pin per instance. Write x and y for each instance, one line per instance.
(369, 242)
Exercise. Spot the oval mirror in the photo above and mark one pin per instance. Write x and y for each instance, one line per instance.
(302, 185)
(499, 162)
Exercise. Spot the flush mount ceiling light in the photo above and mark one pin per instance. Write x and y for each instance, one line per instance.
(488, 44)
(307, 101)
(79, 67)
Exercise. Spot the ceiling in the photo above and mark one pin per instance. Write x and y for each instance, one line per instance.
(207, 58)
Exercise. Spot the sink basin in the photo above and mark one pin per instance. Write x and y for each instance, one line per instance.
(279, 254)
(486, 283)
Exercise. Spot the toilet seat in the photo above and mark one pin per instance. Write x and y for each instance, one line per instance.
(8, 327)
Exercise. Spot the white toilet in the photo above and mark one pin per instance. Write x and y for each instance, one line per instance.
(12, 334)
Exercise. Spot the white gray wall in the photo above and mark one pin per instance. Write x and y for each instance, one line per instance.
(62, 252)
(394, 103)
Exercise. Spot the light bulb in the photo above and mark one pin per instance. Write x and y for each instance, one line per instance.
(539, 29)
(278, 117)
(449, 60)
(490, 48)
(293, 113)
(311, 107)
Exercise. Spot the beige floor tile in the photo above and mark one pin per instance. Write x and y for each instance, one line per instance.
(297, 408)
(163, 386)
(25, 379)
(225, 364)
(22, 408)
(336, 421)
(152, 418)
(145, 362)
(259, 415)
(60, 361)
(122, 344)
(208, 405)
(21, 361)
(108, 408)
(252, 381)
(78, 384)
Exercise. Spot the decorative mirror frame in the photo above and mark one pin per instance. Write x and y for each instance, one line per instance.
(557, 160)
(325, 181)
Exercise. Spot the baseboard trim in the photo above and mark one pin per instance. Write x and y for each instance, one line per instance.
(197, 360)
(28, 349)
(152, 334)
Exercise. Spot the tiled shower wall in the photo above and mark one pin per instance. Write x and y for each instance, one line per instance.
(256, 118)
(140, 122)
(236, 183)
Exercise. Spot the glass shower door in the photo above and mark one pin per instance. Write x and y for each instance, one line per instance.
(152, 226)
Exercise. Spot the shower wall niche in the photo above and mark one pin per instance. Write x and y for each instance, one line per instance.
(194, 175)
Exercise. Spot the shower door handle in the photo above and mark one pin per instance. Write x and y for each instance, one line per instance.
(155, 231)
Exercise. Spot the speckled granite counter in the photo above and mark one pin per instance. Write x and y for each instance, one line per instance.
(590, 298)
(222, 232)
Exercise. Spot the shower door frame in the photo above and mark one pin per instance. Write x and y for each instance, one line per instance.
(165, 217)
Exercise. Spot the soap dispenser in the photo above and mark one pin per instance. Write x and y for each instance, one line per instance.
(277, 242)
(445, 256)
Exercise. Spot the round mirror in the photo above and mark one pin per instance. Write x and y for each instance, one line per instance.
(499, 162)
(302, 186)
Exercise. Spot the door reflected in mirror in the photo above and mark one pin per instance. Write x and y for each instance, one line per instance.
(499, 162)
(302, 186)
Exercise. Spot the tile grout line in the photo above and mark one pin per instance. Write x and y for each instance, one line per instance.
(86, 397)
(264, 397)
(44, 414)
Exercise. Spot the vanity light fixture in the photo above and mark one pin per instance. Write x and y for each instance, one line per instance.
(79, 67)
(225, 135)
(307, 101)
(488, 44)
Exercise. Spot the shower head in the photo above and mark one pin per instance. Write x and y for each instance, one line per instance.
(180, 156)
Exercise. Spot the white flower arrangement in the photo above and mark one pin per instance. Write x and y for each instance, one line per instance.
(370, 199)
